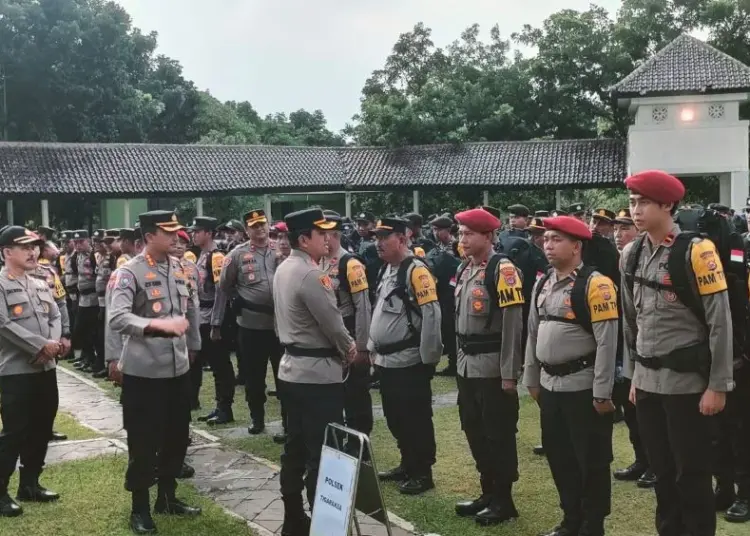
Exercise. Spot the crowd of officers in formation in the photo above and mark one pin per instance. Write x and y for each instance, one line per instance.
(610, 316)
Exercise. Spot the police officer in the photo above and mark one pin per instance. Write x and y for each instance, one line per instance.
(88, 303)
(70, 280)
(213, 303)
(30, 332)
(577, 211)
(444, 261)
(572, 382)
(247, 277)
(421, 246)
(405, 337)
(639, 471)
(536, 231)
(602, 222)
(349, 282)
(104, 265)
(489, 321)
(518, 221)
(152, 309)
(316, 344)
(682, 363)
(365, 222)
(128, 238)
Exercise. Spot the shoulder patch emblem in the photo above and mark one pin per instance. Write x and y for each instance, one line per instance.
(709, 272)
(509, 286)
(124, 280)
(423, 285)
(602, 299)
(326, 282)
(355, 274)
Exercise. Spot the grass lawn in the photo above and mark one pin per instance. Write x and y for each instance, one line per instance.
(65, 424)
(94, 502)
(535, 494)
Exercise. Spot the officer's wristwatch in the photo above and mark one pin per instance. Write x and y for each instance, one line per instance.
(601, 400)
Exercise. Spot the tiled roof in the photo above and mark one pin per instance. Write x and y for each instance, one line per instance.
(122, 170)
(685, 66)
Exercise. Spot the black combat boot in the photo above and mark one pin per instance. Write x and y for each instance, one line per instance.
(501, 507)
(167, 503)
(472, 508)
(187, 471)
(416, 485)
(223, 416)
(739, 512)
(397, 474)
(30, 490)
(632, 472)
(141, 521)
(8, 507)
(258, 424)
(296, 521)
(647, 480)
(212, 414)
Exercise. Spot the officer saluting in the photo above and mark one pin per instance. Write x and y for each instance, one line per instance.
(316, 344)
(678, 320)
(30, 333)
(489, 323)
(576, 304)
(152, 309)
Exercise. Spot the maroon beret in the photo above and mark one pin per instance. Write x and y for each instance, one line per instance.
(281, 227)
(568, 225)
(657, 185)
(478, 219)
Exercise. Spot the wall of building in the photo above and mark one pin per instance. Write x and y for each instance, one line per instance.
(113, 212)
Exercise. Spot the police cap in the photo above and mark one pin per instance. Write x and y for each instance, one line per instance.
(166, 220)
(604, 215)
(541, 214)
(204, 223)
(387, 226)
(367, 217)
(255, 216)
(536, 226)
(576, 208)
(442, 222)
(624, 217)
(414, 219)
(15, 235)
(492, 210)
(47, 232)
(127, 234)
(79, 234)
(519, 210)
(305, 220)
(99, 235)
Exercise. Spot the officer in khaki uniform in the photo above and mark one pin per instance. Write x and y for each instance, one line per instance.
(30, 332)
(682, 364)
(104, 265)
(572, 382)
(405, 337)
(70, 280)
(247, 277)
(353, 301)
(490, 360)
(46, 273)
(316, 346)
(88, 303)
(213, 304)
(127, 246)
(153, 311)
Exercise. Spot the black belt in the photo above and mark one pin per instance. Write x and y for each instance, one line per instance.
(387, 349)
(206, 304)
(480, 343)
(571, 367)
(696, 358)
(87, 291)
(255, 307)
(299, 351)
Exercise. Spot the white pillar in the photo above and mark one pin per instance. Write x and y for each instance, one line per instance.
(415, 201)
(348, 204)
(199, 206)
(9, 211)
(126, 213)
(740, 190)
(45, 212)
(558, 199)
(486, 198)
(267, 205)
(725, 189)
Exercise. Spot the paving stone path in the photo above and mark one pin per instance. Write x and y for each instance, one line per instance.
(242, 484)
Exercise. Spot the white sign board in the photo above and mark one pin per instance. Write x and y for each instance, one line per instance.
(334, 496)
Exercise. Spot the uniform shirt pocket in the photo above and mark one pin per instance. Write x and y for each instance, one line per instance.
(156, 303)
(45, 302)
(250, 275)
(184, 296)
(19, 306)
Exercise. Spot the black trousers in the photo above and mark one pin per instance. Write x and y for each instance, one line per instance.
(407, 405)
(448, 332)
(99, 359)
(677, 439)
(28, 407)
(156, 415)
(87, 324)
(732, 441)
(357, 398)
(310, 407)
(489, 418)
(215, 354)
(620, 397)
(72, 313)
(578, 444)
(258, 347)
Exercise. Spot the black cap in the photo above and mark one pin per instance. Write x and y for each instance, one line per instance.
(536, 226)
(138, 232)
(541, 214)
(328, 212)
(558, 212)
(99, 235)
(718, 207)
(204, 223)
(442, 222)
(369, 217)
(15, 235)
(112, 233)
(66, 235)
(79, 234)
(48, 232)
(304, 220)
(334, 218)
(127, 234)
(387, 226)
(576, 208)
(166, 220)
(603, 214)
(414, 219)
(254, 216)
(519, 210)
(623, 216)
(492, 210)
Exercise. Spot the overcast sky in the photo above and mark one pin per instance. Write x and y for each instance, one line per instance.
(283, 55)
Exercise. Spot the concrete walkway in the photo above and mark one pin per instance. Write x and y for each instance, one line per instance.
(242, 484)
